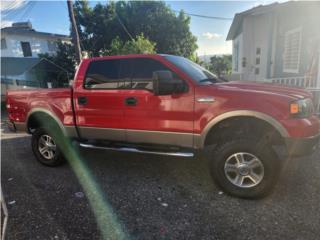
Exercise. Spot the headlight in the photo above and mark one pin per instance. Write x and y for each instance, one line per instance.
(301, 108)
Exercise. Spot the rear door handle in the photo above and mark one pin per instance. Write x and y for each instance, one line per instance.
(131, 101)
(82, 100)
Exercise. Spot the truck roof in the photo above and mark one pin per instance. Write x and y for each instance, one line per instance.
(128, 56)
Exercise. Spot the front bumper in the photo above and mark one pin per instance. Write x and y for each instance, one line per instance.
(302, 146)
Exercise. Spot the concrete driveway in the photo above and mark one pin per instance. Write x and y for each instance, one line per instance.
(151, 198)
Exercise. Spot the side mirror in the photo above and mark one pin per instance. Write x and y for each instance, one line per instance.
(164, 84)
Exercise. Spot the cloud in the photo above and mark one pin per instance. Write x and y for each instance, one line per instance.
(5, 23)
(11, 5)
(221, 48)
(211, 36)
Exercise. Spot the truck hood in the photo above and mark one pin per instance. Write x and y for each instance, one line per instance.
(267, 88)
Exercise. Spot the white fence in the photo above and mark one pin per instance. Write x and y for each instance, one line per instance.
(303, 82)
(316, 96)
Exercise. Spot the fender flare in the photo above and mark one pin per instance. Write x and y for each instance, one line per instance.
(200, 140)
(50, 114)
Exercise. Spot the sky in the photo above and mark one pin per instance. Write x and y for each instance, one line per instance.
(52, 16)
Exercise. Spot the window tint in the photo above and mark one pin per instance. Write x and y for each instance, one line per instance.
(143, 69)
(108, 74)
(195, 71)
(123, 74)
(26, 49)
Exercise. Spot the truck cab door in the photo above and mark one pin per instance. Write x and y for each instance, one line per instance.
(165, 120)
(99, 103)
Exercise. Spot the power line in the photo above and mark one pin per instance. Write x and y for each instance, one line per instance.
(15, 9)
(123, 26)
(13, 6)
(204, 16)
(28, 10)
(9, 8)
(20, 12)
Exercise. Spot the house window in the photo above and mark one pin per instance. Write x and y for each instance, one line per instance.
(52, 46)
(26, 49)
(291, 57)
(3, 43)
(258, 51)
(236, 56)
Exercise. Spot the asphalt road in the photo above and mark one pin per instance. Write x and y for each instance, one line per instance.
(151, 198)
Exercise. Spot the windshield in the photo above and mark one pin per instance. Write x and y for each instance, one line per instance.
(196, 72)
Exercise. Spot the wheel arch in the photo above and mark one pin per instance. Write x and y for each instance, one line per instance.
(200, 141)
(37, 113)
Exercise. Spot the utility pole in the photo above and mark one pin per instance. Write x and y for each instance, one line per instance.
(75, 34)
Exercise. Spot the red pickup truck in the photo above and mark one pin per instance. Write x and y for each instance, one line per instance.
(168, 105)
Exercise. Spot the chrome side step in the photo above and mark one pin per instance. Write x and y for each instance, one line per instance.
(135, 150)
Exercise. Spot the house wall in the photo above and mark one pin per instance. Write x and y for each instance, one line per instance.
(13, 41)
(256, 37)
(308, 20)
(237, 46)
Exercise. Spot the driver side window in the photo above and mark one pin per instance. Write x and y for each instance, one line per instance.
(142, 73)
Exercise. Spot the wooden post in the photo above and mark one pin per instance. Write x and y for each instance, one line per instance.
(75, 34)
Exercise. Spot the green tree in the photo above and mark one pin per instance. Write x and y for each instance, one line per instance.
(64, 58)
(99, 25)
(134, 46)
(221, 65)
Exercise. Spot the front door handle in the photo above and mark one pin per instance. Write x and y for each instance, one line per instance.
(131, 101)
(82, 100)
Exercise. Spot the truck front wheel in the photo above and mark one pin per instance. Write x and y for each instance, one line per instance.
(45, 148)
(245, 168)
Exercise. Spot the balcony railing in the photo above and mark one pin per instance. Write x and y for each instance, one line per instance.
(303, 82)
(308, 83)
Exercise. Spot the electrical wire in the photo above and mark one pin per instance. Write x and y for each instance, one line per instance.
(21, 13)
(204, 16)
(27, 10)
(12, 9)
(123, 26)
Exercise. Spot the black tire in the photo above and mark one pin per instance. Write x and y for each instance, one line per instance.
(265, 154)
(58, 158)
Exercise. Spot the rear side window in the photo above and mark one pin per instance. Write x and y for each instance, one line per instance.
(108, 74)
(131, 73)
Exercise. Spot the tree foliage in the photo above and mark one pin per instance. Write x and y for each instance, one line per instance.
(100, 25)
(134, 46)
(127, 27)
(64, 57)
(221, 65)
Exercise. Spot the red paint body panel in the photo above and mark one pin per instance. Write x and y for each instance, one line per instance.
(56, 101)
(172, 113)
(107, 109)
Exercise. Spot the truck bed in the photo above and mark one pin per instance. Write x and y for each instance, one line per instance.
(57, 101)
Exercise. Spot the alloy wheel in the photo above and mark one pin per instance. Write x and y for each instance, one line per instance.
(244, 170)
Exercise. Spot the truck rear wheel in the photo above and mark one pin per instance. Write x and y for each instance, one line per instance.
(245, 168)
(45, 148)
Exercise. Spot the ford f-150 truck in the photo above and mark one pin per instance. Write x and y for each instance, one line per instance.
(168, 105)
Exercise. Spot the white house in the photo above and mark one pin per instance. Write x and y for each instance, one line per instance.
(279, 43)
(21, 40)
(21, 66)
